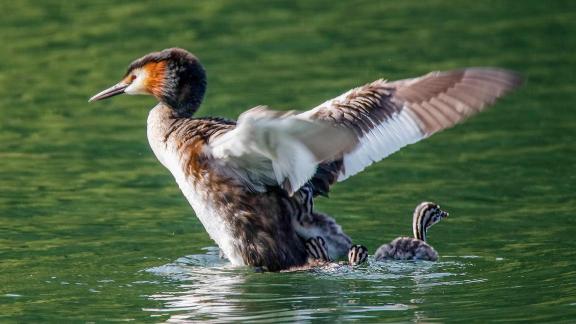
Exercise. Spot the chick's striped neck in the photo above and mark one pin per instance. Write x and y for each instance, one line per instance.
(421, 221)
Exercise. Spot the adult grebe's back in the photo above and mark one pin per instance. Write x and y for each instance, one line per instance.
(251, 183)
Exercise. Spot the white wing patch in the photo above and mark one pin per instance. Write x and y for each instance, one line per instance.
(273, 148)
(383, 140)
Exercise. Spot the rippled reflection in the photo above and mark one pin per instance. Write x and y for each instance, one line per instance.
(212, 289)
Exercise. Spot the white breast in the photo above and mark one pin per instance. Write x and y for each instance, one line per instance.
(195, 193)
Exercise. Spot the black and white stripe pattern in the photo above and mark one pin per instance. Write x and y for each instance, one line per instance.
(357, 254)
(316, 249)
(425, 215)
(301, 205)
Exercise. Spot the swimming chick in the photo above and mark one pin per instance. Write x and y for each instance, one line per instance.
(317, 252)
(414, 248)
(252, 182)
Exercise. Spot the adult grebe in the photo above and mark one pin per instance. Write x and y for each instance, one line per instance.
(252, 182)
(425, 215)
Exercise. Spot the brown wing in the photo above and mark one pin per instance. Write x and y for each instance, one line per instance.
(386, 116)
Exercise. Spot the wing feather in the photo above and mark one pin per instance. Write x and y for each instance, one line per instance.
(386, 116)
(278, 148)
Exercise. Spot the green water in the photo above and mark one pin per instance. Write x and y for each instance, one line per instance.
(94, 229)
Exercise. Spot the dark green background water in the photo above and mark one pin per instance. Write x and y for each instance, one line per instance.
(93, 228)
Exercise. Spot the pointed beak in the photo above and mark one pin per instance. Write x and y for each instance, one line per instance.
(444, 214)
(110, 92)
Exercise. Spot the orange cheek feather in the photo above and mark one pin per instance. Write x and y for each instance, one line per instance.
(155, 80)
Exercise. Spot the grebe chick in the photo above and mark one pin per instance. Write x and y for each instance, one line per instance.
(414, 248)
(317, 252)
(252, 182)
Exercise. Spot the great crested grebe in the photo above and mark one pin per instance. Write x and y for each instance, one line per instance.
(252, 182)
(425, 215)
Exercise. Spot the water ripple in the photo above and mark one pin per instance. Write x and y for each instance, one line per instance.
(209, 288)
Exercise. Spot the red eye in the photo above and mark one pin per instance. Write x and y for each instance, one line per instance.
(132, 77)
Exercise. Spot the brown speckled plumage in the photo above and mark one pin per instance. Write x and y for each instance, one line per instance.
(406, 248)
(260, 222)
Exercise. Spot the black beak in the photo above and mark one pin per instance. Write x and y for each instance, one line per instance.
(110, 92)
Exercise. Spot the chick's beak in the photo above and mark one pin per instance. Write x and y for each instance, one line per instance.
(110, 92)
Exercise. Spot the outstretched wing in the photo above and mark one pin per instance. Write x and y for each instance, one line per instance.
(278, 148)
(386, 116)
